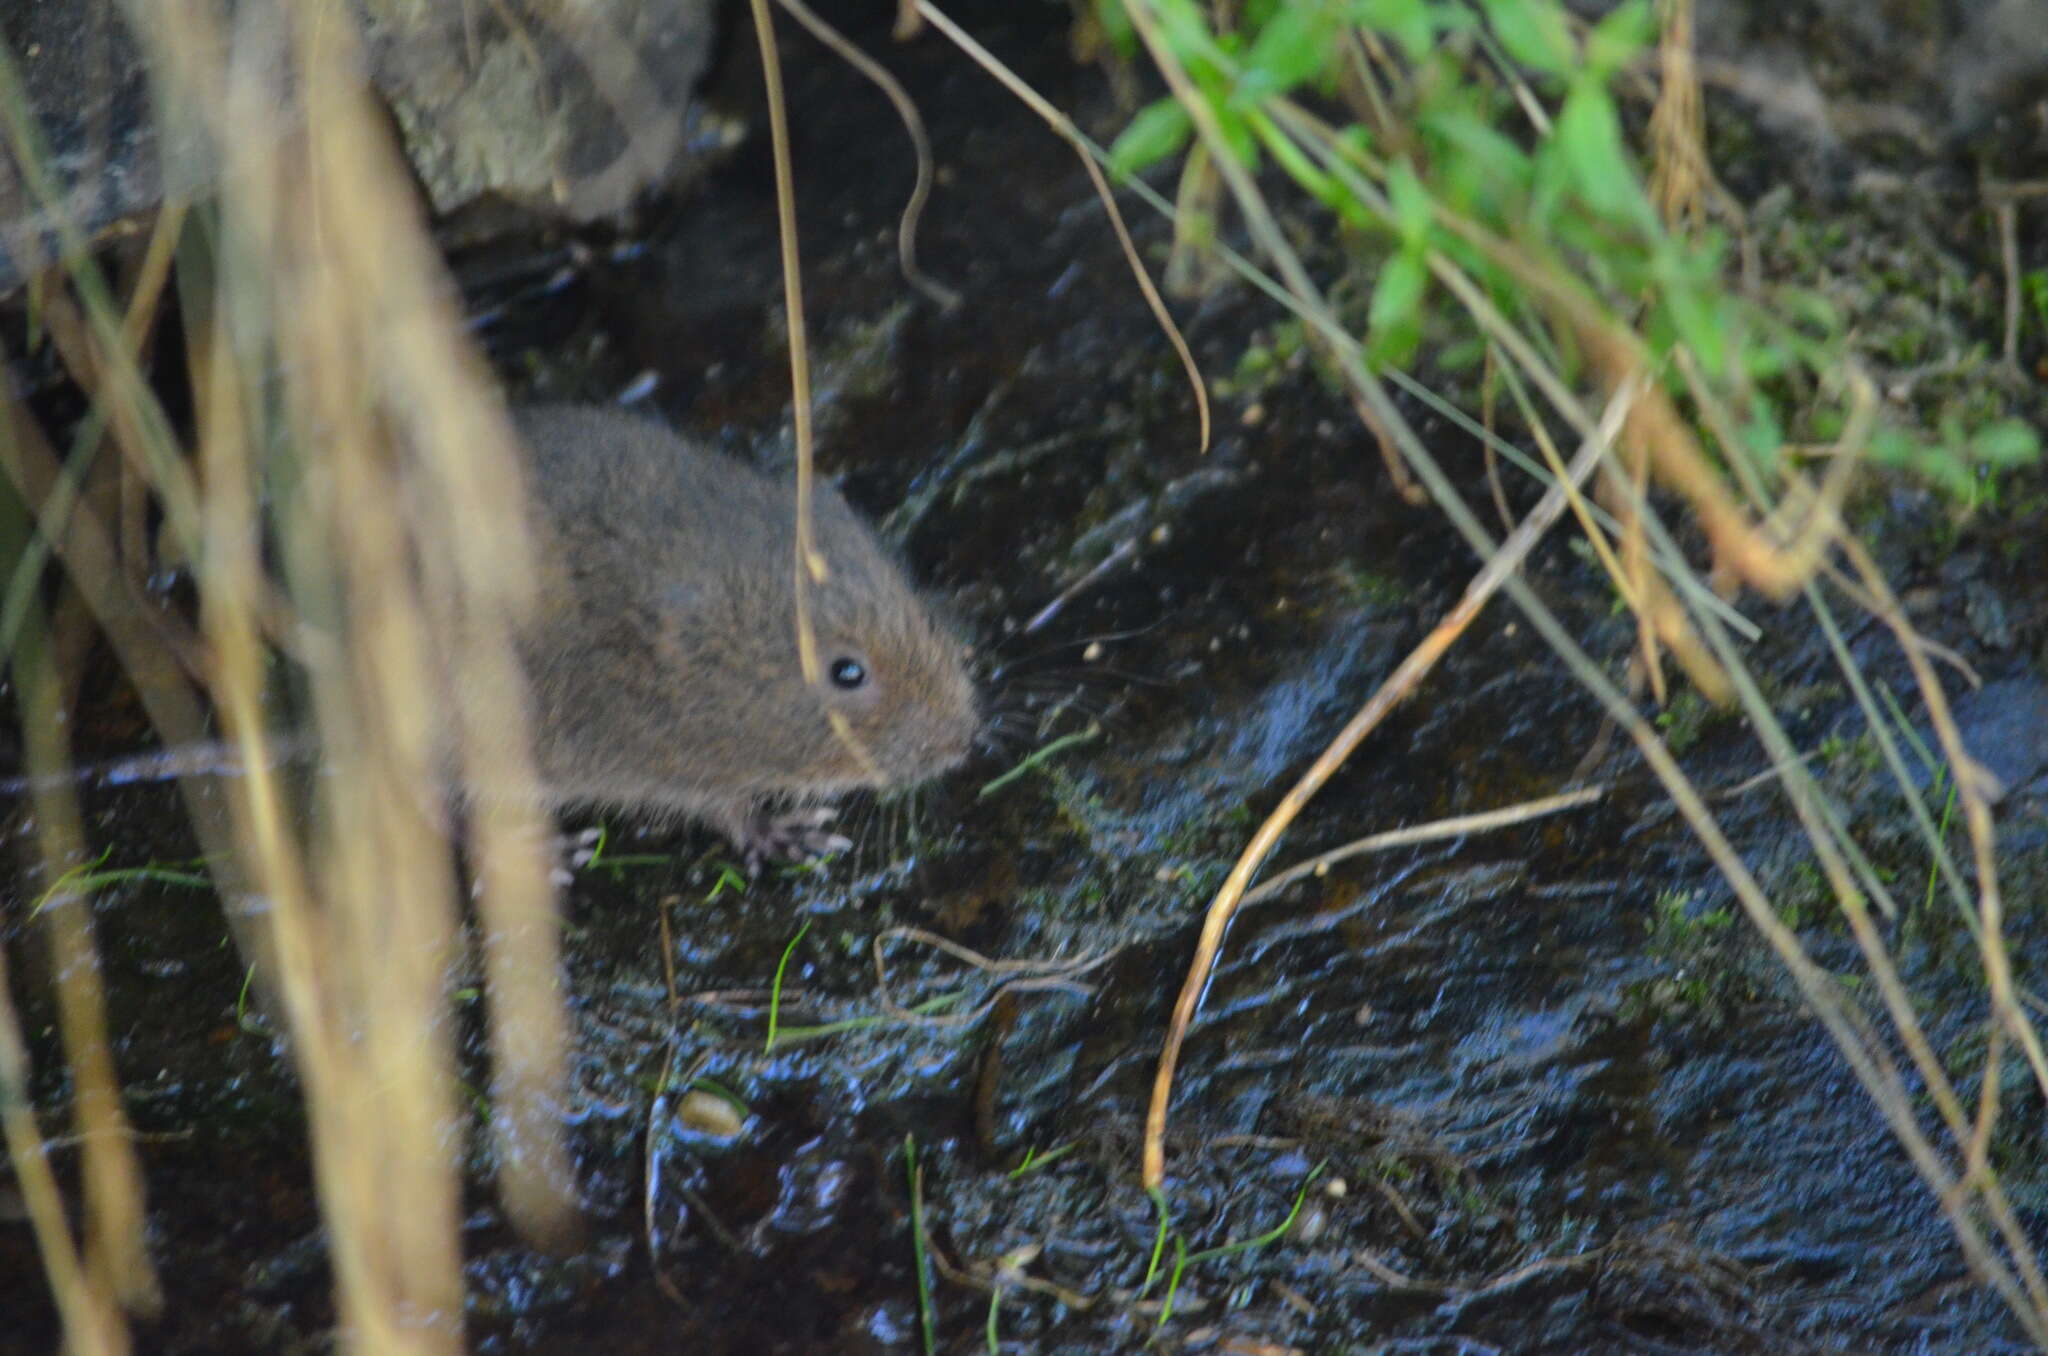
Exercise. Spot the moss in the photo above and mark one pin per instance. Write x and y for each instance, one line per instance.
(1367, 588)
(1710, 974)
(1686, 718)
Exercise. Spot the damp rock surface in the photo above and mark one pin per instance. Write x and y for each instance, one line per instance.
(1540, 1090)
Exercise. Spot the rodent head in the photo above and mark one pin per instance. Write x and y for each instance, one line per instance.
(896, 703)
(892, 704)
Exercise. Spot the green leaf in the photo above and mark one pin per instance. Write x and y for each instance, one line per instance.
(1588, 136)
(1159, 130)
(1237, 135)
(2035, 285)
(1292, 48)
(1115, 21)
(1302, 169)
(1616, 39)
(1893, 446)
(1762, 358)
(1462, 356)
(1534, 33)
(1410, 23)
(1808, 309)
(1256, 14)
(1695, 307)
(1701, 326)
(1826, 425)
(1480, 140)
(1186, 30)
(1394, 321)
(1762, 436)
(2009, 442)
(1942, 468)
(1413, 214)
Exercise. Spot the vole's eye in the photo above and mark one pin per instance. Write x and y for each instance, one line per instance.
(848, 674)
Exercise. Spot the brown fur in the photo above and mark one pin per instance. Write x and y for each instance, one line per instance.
(664, 661)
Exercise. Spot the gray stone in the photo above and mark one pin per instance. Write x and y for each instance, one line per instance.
(572, 106)
(579, 106)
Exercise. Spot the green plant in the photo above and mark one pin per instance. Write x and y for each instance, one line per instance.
(1487, 162)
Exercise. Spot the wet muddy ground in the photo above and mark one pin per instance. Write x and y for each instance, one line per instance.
(1534, 1091)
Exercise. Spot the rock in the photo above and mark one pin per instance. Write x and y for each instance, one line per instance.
(2004, 725)
(581, 112)
(577, 109)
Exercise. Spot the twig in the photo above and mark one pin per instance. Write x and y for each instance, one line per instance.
(2007, 215)
(1125, 549)
(1022, 976)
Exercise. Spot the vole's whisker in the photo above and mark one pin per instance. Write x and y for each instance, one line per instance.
(1001, 673)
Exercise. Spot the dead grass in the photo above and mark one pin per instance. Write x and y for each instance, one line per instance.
(339, 414)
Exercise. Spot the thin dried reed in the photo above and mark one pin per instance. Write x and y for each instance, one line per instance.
(340, 416)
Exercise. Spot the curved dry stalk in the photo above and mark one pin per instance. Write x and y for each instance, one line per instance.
(1087, 151)
(913, 127)
(2023, 1292)
(1970, 780)
(1805, 548)
(91, 1322)
(1404, 679)
(1022, 976)
(811, 567)
(1436, 830)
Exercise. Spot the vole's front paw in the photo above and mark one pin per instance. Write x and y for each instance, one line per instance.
(573, 852)
(798, 835)
(566, 854)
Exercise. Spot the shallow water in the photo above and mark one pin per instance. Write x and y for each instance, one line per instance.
(1528, 1093)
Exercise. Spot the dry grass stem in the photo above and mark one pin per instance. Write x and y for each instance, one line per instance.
(1457, 826)
(116, 1253)
(1017, 976)
(1089, 155)
(1398, 685)
(1753, 555)
(91, 1321)
(810, 566)
(351, 503)
(920, 145)
(407, 531)
(1677, 124)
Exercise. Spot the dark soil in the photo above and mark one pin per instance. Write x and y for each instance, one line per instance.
(1534, 1091)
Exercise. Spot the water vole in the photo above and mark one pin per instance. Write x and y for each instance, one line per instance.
(663, 657)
